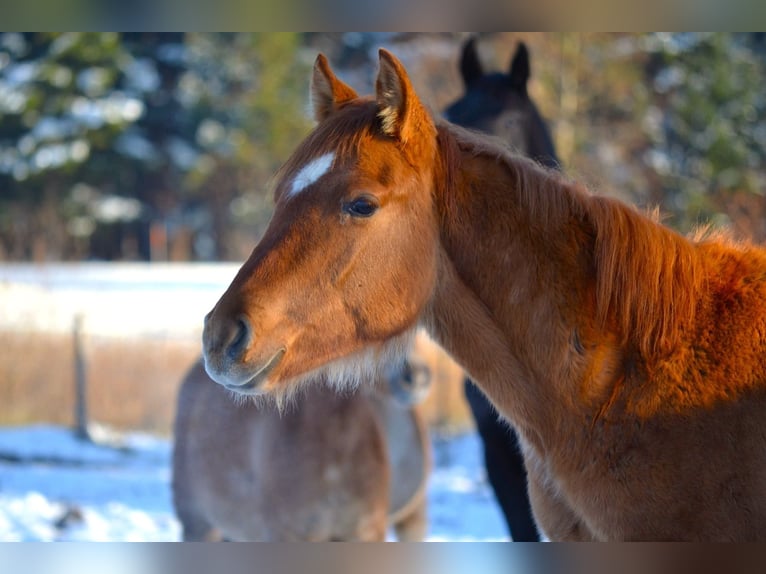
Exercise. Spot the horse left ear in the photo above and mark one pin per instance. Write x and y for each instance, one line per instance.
(470, 65)
(520, 68)
(399, 109)
(327, 91)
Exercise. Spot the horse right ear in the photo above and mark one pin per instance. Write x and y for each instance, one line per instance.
(470, 65)
(520, 68)
(401, 114)
(327, 91)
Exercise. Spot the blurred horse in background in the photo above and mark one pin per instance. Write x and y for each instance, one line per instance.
(330, 467)
(499, 104)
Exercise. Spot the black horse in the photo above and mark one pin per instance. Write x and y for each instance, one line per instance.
(499, 104)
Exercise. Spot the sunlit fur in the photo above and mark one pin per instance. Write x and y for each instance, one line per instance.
(343, 375)
(329, 467)
(631, 359)
(631, 250)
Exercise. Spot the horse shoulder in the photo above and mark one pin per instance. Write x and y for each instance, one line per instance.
(730, 339)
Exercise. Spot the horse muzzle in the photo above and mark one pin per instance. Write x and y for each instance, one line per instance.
(228, 355)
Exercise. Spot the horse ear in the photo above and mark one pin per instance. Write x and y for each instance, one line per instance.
(399, 109)
(470, 65)
(520, 68)
(327, 91)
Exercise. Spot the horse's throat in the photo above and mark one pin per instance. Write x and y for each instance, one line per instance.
(465, 327)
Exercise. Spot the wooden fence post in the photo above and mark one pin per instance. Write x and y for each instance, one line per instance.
(80, 379)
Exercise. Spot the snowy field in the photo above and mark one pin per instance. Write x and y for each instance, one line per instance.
(53, 487)
(165, 300)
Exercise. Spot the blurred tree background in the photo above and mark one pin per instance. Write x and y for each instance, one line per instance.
(148, 146)
(142, 146)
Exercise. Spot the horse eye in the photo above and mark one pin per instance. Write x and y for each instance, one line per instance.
(363, 206)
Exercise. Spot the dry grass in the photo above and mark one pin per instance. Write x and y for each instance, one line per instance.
(132, 383)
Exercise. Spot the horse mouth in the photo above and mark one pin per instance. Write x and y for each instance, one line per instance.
(250, 387)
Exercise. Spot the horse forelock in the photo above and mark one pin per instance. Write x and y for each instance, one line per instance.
(342, 134)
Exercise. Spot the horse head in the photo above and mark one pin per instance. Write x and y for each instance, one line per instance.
(499, 104)
(348, 261)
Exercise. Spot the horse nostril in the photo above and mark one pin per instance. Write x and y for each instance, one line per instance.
(242, 333)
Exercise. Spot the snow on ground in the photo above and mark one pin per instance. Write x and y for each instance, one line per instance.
(54, 487)
(113, 299)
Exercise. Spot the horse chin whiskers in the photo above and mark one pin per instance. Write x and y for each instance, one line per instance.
(342, 375)
(369, 364)
(285, 395)
(281, 397)
(241, 399)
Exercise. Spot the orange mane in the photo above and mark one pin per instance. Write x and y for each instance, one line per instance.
(647, 276)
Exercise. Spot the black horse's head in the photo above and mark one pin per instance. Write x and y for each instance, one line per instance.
(499, 104)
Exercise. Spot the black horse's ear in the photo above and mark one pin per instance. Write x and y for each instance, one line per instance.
(520, 69)
(470, 66)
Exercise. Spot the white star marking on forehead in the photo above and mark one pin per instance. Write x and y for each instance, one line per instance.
(311, 172)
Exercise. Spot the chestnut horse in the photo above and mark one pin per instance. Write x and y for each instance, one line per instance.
(499, 104)
(630, 359)
(327, 468)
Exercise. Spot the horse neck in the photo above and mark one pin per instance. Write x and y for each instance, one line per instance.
(514, 274)
(547, 292)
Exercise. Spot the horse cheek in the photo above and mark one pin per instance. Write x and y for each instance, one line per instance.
(377, 306)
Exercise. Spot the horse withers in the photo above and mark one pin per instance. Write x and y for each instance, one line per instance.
(329, 467)
(630, 359)
(499, 104)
